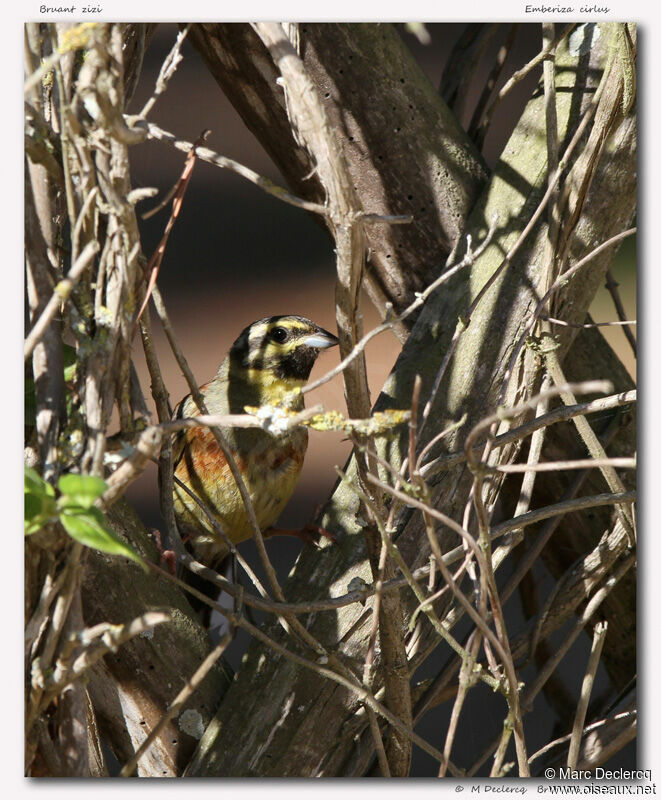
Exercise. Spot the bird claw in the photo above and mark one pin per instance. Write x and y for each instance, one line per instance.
(312, 533)
(309, 533)
(168, 558)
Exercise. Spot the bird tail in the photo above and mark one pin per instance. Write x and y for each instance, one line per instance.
(210, 589)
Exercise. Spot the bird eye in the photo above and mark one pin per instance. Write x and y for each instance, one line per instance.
(279, 335)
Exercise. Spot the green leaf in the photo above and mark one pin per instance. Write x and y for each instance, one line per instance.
(40, 505)
(38, 511)
(80, 490)
(89, 527)
(35, 484)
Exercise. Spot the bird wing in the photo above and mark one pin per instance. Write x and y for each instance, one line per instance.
(184, 408)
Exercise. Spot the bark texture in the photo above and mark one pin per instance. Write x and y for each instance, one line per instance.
(131, 688)
(270, 720)
(405, 151)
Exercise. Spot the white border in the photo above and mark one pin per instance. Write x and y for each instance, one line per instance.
(14, 16)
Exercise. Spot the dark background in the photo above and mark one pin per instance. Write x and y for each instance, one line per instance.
(237, 254)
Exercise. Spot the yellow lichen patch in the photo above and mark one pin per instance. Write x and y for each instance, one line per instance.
(380, 423)
(278, 419)
(78, 37)
(328, 421)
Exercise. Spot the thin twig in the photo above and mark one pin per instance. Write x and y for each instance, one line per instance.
(168, 68)
(552, 466)
(518, 76)
(559, 283)
(211, 157)
(420, 298)
(466, 681)
(350, 683)
(178, 193)
(285, 423)
(59, 296)
(451, 428)
(595, 726)
(611, 285)
(561, 322)
(551, 418)
(564, 507)
(598, 639)
(511, 412)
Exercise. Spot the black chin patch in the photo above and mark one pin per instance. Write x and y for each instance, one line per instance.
(296, 365)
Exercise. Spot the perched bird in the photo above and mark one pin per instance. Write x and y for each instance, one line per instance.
(270, 360)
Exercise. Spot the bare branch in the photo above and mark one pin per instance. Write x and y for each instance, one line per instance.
(611, 285)
(598, 637)
(579, 463)
(587, 387)
(421, 297)
(168, 68)
(551, 418)
(96, 642)
(519, 76)
(556, 321)
(557, 285)
(601, 732)
(606, 499)
(205, 154)
(130, 468)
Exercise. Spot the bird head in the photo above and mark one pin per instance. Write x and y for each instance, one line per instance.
(275, 355)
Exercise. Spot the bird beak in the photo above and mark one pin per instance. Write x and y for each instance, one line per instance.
(321, 339)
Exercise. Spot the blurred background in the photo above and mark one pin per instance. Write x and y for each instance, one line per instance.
(236, 254)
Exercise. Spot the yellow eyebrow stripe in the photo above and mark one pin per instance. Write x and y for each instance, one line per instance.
(290, 323)
(260, 331)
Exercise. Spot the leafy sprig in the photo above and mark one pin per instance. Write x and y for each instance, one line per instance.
(75, 508)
